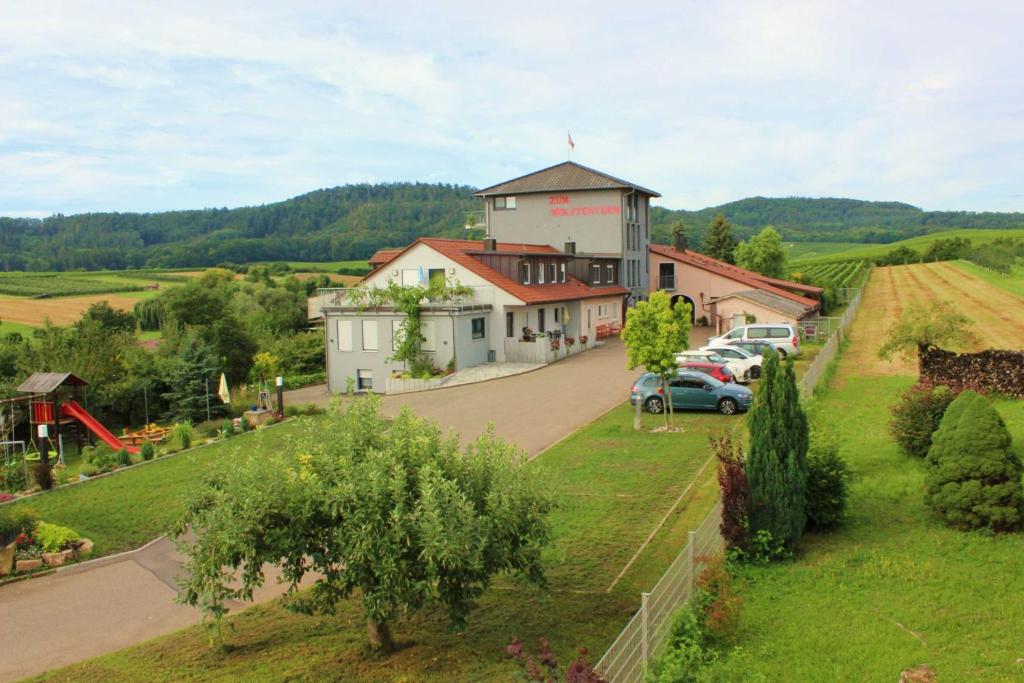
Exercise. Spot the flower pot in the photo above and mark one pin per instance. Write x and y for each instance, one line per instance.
(85, 547)
(7, 559)
(28, 565)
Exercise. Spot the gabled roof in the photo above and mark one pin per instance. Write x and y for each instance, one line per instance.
(769, 300)
(383, 256)
(461, 252)
(563, 177)
(741, 275)
(47, 382)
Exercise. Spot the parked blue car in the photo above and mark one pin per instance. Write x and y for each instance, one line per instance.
(691, 391)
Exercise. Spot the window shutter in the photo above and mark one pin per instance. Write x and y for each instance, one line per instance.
(344, 335)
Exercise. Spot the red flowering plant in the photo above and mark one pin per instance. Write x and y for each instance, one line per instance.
(26, 547)
(583, 340)
(542, 665)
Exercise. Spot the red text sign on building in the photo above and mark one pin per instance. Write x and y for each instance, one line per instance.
(580, 210)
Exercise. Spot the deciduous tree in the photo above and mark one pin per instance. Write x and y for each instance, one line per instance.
(654, 333)
(763, 253)
(391, 509)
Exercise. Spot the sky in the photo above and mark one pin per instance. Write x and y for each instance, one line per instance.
(144, 106)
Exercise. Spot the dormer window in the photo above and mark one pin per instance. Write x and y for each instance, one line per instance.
(540, 273)
(552, 273)
(595, 274)
(563, 272)
(505, 203)
(526, 273)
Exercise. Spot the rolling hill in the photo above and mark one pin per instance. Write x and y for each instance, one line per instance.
(353, 221)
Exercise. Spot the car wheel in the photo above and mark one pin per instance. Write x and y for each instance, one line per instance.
(755, 372)
(727, 406)
(654, 405)
(782, 354)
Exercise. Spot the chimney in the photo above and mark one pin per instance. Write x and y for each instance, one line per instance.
(490, 244)
(570, 248)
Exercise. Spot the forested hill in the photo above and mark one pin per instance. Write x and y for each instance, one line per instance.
(349, 222)
(828, 219)
(353, 221)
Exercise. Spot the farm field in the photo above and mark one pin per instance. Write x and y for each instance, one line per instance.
(1012, 282)
(997, 313)
(918, 244)
(59, 311)
(324, 266)
(894, 587)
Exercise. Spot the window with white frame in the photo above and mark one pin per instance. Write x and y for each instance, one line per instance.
(344, 335)
(364, 380)
(370, 335)
(552, 272)
(563, 272)
(526, 273)
(505, 203)
(540, 273)
(610, 273)
(595, 274)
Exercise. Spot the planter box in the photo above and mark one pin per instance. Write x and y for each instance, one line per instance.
(7, 559)
(406, 386)
(55, 559)
(28, 565)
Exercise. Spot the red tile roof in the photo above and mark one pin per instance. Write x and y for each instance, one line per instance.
(747, 277)
(383, 256)
(461, 252)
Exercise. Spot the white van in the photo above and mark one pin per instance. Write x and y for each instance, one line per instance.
(782, 335)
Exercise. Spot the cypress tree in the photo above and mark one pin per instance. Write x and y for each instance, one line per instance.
(719, 243)
(777, 464)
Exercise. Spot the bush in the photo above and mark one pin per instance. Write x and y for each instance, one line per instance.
(182, 435)
(227, 429)
(732, 482)
(55, 538)
(827, 478)
(974, 478)
(88, 453)
(917, 415)
(124, 458)
(685, 654)
(12, 476)
(89, 470)
(13, 525)
(303, 409)
(147, 450)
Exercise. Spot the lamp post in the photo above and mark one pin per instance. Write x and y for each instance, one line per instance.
(280, 396)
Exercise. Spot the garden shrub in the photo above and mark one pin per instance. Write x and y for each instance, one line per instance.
(124, 458)
(55, 538)
(147, 451)
(182, 435)
(827, 479)
(89, 470)
(13, 524)
(12, 476)
(917, 415)
(88, 453)
(732, 481)
(974, 475)
(227, 429)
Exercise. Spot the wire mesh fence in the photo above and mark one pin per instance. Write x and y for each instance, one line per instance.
(627, 659)
(831, 348)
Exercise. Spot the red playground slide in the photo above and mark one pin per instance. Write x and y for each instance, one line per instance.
(72, 409)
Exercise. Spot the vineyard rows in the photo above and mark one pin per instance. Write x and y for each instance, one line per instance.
(43, 286)
(835, 274)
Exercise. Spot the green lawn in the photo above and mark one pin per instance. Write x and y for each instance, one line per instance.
(894, 587)
(918, 244)
(324, 266)
(9, 327)
(806, 250)
(614, 485)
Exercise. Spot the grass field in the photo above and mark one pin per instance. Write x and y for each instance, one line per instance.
(918, 244)
(615, 486)
(894, 587)
(324, 266)
(807, 250)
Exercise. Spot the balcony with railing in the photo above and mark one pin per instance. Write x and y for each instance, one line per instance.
(476, 220)
(356, 299)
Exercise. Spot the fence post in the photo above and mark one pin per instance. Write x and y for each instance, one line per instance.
(644, 632)
(691, 543)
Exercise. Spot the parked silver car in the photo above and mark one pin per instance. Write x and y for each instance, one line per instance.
(783, 337)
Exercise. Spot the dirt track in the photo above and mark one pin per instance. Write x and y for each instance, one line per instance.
(62, 311)
(998, 315)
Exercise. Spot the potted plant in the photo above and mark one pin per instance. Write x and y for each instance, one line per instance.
(557, 344)
(583, 340)
(529, 335)
(28, 553)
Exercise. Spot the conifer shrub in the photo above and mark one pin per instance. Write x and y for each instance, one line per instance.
(776, 466)
(147, 451)
(124, 458)
(917, 415)
(827, 479)
(974, 475)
